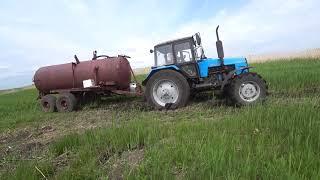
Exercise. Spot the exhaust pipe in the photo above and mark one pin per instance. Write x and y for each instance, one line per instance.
(219, 46)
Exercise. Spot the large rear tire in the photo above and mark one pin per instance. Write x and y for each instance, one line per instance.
(48, 103)
(167, 89)
(247, 89)
(66, 102)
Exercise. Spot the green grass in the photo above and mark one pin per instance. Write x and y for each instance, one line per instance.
(21, 108)
(276, 140)
(293, 77)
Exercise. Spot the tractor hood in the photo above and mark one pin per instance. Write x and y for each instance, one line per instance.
(236, 60)
(205, 64)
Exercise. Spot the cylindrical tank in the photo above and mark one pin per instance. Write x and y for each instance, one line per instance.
(114, 71)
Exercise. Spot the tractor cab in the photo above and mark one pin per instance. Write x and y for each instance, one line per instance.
(182, 53)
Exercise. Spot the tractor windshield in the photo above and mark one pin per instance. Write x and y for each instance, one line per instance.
(163, 55)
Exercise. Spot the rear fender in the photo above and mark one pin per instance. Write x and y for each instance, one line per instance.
(233, 74)
(154, 70)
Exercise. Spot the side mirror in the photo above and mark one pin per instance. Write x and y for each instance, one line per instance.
(198, 39)
(151, 51)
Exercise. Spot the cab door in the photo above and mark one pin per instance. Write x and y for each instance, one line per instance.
(185, 58)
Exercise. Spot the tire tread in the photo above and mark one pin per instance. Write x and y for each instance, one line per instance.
(233, 92)
(174, 75)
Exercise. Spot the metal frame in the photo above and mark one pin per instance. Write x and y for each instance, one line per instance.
(99, 89)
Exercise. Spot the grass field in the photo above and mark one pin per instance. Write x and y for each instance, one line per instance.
(123, 138)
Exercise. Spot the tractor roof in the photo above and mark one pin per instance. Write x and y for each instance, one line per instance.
(175, 40)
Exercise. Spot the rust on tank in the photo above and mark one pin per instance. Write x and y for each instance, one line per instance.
(106, 71)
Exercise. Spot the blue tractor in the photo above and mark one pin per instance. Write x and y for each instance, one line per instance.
(181, 69)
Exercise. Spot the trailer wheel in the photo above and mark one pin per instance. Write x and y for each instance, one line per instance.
(66, 102)
(167, 89)
(247, 89)
(48, 103)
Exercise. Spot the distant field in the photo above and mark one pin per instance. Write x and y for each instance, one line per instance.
(6, 91)
(123, 138)
(305, 54)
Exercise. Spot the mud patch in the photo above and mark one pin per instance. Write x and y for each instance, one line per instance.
(47, 129)
(28, 148)
(3, 139)
(129, 160)
(179, 174)
(14, 142)
(104, 157)
(20, 135)
(61, 161)
(32, 141)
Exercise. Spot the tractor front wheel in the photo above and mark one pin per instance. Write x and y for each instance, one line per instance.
(167, 89)
(247, 89)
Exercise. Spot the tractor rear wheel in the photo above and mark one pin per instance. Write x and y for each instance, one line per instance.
(48, 103)
(66, 102)
(167, 89)
(247, 89)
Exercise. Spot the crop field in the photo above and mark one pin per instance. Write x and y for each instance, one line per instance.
(122, 138)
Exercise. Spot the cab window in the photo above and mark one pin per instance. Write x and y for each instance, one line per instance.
(183, 52)
(164, 55)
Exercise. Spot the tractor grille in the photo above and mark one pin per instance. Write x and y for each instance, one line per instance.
(221, 69)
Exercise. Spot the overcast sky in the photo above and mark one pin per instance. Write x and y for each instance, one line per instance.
(44, 32)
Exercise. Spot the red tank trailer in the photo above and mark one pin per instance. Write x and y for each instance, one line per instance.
(82, 81)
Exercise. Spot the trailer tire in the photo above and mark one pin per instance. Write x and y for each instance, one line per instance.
(247, 89)
(48, 103)
(66, 102)
(174, 86)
